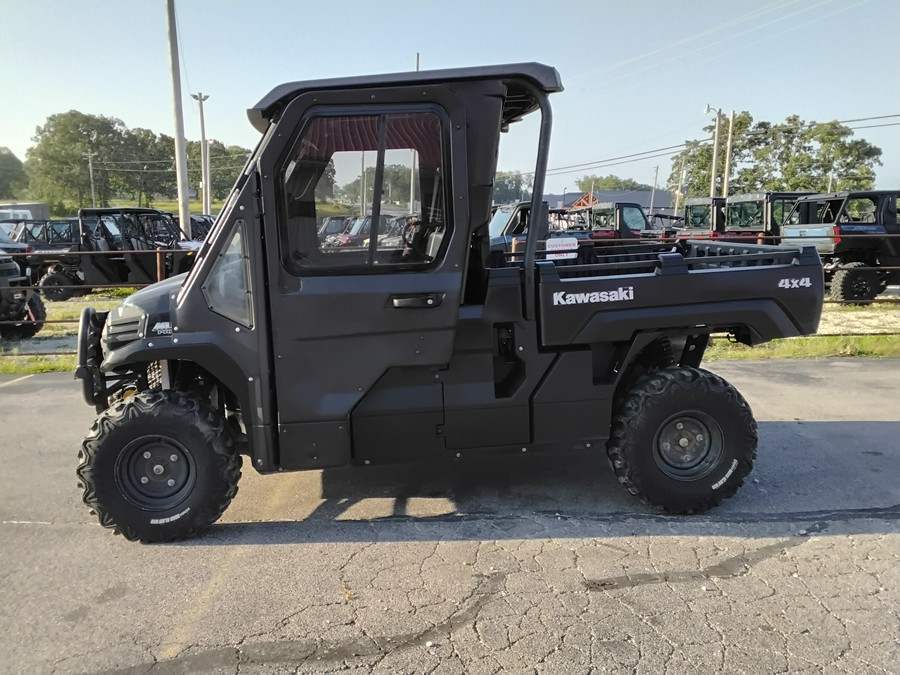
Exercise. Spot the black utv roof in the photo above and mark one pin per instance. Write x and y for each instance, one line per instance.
(101, 211)
(843, 194)
(519, 101)
(759, 196)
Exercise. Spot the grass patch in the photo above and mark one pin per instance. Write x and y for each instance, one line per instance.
(810, 347)
(26, 364)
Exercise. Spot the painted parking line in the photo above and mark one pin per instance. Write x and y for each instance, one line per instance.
(18, 379)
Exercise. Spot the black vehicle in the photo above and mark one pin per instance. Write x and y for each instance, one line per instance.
(857, 235)
(22, 312)
(301, 355)
(129, 246)
(201, 224)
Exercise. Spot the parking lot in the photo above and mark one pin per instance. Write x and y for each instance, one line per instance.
(538, 564)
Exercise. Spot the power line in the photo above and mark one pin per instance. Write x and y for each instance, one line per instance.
(638, 156)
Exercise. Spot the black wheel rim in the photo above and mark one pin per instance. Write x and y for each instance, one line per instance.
(861, 286)
(155, 473)
(688, 446)
(51, 289)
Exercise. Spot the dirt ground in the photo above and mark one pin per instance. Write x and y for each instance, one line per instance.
(882, 319)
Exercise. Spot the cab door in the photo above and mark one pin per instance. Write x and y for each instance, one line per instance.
(353, 316)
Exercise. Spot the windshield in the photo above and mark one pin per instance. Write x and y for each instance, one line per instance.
(604, 219)
(744, 215)
(698, 215)
(499, 220)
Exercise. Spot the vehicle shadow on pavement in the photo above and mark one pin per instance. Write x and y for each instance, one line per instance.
(834, 476)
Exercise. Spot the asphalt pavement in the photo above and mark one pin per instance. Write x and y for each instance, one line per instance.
(540, 564)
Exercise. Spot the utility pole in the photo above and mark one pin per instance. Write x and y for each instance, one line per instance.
(90, 159)
(681, 178)
(728, 156)
(181, 174)
(204, 152)
(715, 154)
(653, 192)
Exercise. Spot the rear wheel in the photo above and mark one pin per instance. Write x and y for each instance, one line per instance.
(159, 466)
(35, 313)
(682, 440)
(53, 286)
(855, 285)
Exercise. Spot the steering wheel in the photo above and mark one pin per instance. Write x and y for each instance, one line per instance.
(414, 237)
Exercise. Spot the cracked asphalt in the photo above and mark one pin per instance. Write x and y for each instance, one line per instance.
(537, 564)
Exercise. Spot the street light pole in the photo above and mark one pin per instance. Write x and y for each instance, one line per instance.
(204, 171)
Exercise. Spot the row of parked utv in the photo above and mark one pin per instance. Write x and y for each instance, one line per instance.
(103, 247)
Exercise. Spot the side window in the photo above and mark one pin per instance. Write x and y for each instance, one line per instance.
(634, 218)
(227, 289)
(384, 173)
(781, 209)
(859, 210)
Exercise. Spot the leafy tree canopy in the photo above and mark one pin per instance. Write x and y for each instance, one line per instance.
(12, 175)
(791, 156)
(511, 186)
(610, 182)
(135, 162)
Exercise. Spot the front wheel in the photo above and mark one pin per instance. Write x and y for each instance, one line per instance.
(683, 440)
(159, 466)
(33, 316)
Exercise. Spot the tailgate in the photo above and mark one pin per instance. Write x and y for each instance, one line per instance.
(758, 296)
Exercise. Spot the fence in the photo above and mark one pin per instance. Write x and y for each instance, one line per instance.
(160, 254)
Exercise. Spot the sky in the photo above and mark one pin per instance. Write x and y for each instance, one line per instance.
(637, 74)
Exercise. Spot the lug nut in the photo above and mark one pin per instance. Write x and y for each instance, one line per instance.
(170, 482)
(679, 426)
(146, 455)
(144, 480)
(699, 437)
(174, 458)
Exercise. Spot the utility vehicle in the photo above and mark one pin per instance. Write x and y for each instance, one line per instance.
(757, 216)
(299, 355)
(122, 245)
(702, 215)
(22, 312)
(613, 222)
(858, 236)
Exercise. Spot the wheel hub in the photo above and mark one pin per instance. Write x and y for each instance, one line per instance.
(688, 446)
(155, 472)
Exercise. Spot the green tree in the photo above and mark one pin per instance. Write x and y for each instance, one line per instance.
(12, 175)
(791, 156)
(511, 186)
(610, 182)
(149, 167)
(57, 165)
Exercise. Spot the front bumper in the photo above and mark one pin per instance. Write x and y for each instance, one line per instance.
(90, 356)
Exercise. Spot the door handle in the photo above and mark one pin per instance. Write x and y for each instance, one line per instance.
(419, 301)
